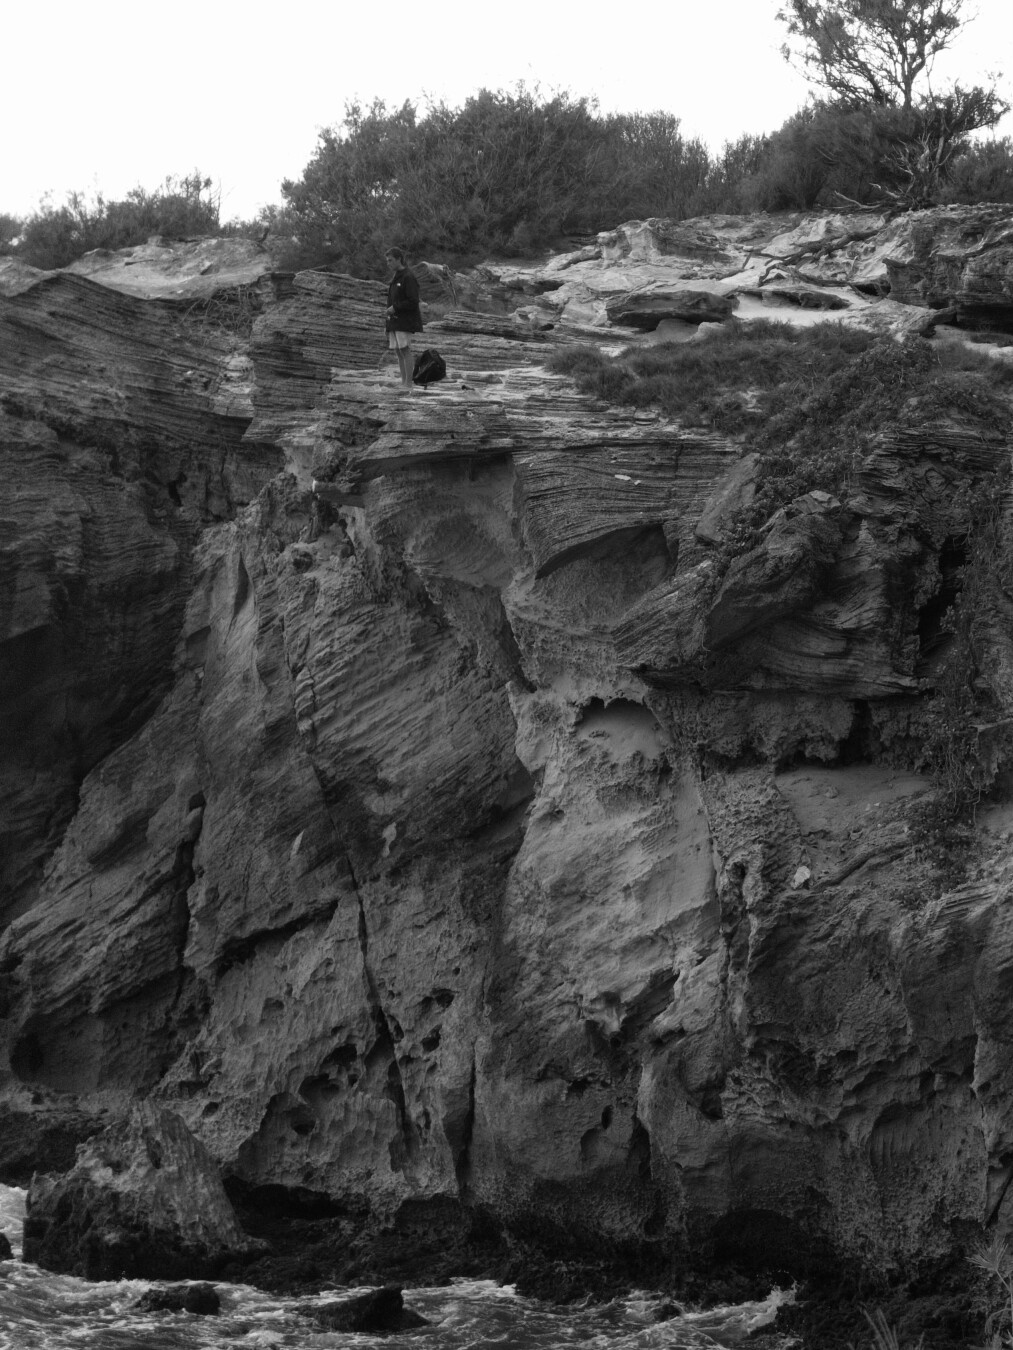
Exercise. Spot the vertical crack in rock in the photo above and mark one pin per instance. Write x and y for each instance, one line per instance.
(184, 877)
(459, 1136)
(386, 1042)
(999, 1193)
(640, 1149)
(638, 1161)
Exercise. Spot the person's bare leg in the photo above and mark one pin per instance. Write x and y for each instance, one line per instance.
(404, 357)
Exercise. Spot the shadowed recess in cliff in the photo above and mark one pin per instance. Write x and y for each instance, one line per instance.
(237, 951)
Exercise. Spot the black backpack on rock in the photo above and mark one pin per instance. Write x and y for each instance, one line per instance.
(429, 367)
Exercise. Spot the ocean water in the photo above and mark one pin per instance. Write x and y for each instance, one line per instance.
(42, 1311)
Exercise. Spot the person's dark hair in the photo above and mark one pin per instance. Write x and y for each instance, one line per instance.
(397, 253)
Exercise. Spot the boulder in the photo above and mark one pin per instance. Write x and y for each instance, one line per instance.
(781, 575)
(734, 493)
(804, 297)
(143, 1201)
(201, 1299)
(648, 307)
(381, 1310)
(955, 256)
(6, 1252)
(184, 270)
(653, 239)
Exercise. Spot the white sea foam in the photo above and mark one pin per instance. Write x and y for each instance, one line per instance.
(12, 1215)
(42, 1311)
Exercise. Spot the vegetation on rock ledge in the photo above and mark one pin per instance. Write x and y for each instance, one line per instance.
(812, 400)
(813, 403)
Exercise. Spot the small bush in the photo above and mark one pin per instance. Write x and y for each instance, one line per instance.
(982, 172)
(55, 235)
(227, 314)
(955, 355)
(10, 229)
(994, 1260)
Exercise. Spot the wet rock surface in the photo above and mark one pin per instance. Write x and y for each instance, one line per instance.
(200, 1298)
(407, 801)
(380, 1310)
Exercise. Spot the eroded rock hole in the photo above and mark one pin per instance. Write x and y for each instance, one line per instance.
(621, 724)
(276, 1201)
(341, 1057)
(439, 997)
(302, 1121)
(394, 1089)
(862, 742)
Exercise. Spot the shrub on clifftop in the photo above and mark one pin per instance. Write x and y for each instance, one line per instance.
(55, 235)
(507, 172)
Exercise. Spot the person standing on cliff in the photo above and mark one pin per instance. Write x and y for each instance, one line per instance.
(403, 315)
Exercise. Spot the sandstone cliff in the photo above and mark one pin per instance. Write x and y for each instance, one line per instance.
(443, 832)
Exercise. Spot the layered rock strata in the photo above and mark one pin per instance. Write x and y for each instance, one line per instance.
(456, 834)
(121, 440)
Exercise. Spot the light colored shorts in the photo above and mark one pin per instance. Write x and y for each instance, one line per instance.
(399, 339)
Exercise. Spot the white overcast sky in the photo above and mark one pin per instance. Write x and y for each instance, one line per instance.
(110, 96)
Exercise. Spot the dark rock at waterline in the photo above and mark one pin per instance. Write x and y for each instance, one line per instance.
(5, 1247)
(941, 1310)
(143, 1201)
(316, 1243)
(201, 1299)
(666, 1311)
(379, 1310)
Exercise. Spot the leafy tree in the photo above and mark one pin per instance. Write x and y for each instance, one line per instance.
(869, 55)
(935, 135)
(871, 51)
(509, 171)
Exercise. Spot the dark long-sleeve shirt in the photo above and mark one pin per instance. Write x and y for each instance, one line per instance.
(403, 298)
